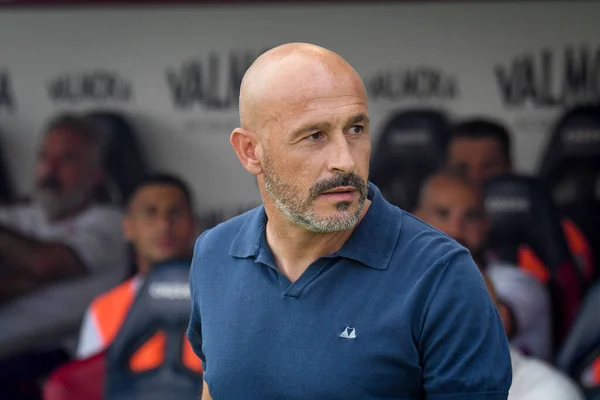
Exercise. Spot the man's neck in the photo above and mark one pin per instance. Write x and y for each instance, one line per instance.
(66, 214)
(295, 248)
(143, 265)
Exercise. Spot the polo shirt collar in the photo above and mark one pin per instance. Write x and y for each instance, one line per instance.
(372, 242)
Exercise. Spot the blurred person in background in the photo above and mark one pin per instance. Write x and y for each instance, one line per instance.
(534, 379)
(454, 206)
(56, 252)
(159, 222)
(480, 149)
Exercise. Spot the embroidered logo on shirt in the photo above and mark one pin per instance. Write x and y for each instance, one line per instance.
(348, 333)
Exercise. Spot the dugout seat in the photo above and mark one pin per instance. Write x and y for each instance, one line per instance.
(6, 185)
(570, 168)
(76, 380)
(160, 314)
(124, 160)
(411, 147)
(523, 217)
(580, 355)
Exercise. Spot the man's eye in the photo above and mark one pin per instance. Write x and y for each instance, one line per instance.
(315, 136)
(356, 129)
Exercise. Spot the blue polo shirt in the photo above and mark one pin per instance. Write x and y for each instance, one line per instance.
(399, 312)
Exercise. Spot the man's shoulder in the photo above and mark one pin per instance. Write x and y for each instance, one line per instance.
(102, 212)
(425, 244)
(223, 234)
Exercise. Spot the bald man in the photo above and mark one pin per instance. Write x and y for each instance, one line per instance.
(454, 205)
(327, 291)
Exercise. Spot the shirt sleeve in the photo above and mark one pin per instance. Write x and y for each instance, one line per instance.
(194, 331)
(464, 350)
(8, 217)
(90, 342)
(98, 241)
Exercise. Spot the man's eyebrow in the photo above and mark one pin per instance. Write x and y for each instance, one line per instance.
(359, 118)
(324, 126)
(321, 126)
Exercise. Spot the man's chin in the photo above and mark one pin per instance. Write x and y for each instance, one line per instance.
(345, 218)
(50, 205)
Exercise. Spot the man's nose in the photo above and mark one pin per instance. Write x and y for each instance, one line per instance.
(455, 230)
(47, 168)
(341, 158)
(165, 222)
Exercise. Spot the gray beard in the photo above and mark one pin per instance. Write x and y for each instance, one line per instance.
(299, 211)
(56, 207)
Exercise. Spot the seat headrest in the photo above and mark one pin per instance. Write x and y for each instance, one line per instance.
(413, 137)
(584, 338)
(521, 212)
(575, 139)
(571, 168)
(6, 186)
(508, 203)
(163, 300)
(411, 146)
(162, 304)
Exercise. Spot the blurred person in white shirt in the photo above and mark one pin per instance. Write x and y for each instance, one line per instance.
(535, 379)
(61, 249)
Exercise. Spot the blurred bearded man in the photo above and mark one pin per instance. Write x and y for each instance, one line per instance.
(57, 252)
(327, 291)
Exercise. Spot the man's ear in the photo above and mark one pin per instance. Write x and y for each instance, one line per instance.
(245, 144)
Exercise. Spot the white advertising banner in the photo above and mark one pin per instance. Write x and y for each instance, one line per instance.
(175, 72)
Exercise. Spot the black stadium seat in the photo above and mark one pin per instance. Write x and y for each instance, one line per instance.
(521, 213)
(582, 347)
(411, 147)
(571, 170)
(6, 187)
(124, 159)
(162, 304)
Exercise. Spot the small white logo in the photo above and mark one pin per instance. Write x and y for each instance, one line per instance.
(170, 291)
(348, 333)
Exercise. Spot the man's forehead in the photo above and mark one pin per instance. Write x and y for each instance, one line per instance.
(65, 139)
(167, 192)
(457, 143)
(445, 190)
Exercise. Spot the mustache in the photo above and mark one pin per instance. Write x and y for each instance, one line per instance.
(49, 183)
(350, 179)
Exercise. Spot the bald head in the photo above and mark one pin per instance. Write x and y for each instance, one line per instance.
(446, 184)
(281, 78)
(454, 206)
(305, 132)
